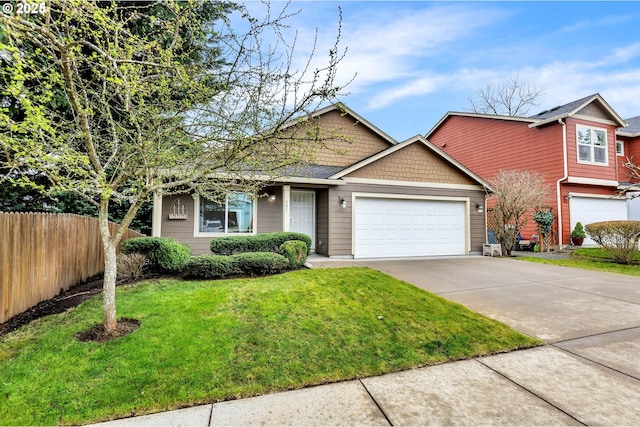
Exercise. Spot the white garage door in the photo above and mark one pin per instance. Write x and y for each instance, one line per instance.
(403, 228)
(591, 209)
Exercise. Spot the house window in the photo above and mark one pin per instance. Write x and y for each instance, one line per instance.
(235, 215)
(619, 148)
(592, 145)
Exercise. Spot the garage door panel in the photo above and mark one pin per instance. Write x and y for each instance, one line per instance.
(588, 210)
(407, 227)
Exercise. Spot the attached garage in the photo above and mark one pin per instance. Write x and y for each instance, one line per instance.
(589, 209)
(394, 226)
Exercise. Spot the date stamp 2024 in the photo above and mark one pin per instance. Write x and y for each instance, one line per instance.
(24, 8)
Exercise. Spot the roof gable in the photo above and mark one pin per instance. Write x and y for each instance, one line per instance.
(344, 137)
(417, 160)
(344, 110)
(590, 106)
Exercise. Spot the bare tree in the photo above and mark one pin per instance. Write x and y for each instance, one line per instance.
(633, 170)
(516, 193)
(117, 101)
(630, 189)
(512, 98)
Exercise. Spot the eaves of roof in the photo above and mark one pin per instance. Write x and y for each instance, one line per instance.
(479, 116)
(632, 129)
(416, 139)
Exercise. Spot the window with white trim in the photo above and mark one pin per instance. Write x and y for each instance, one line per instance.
(592, 145)
(235, 215)
(619, 148)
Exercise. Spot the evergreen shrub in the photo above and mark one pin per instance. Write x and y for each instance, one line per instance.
(266, 242)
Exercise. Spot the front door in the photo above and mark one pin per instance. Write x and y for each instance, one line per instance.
(303, 214)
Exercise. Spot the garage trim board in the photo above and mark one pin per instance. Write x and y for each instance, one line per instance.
(433, 226)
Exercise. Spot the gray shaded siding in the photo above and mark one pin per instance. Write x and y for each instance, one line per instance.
(340, 232)
(322, 222)
(269, 216)
(182, 229)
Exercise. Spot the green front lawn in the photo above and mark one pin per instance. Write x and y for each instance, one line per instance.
(208, 341)
(590, 259)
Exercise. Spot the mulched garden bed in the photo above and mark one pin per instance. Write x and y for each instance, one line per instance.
(57, 304)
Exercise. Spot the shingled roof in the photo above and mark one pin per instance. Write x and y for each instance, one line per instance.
(632, 128)
(574, 107)
(562, 109)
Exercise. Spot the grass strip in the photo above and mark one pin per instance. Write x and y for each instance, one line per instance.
(206, 341)
(594, 259)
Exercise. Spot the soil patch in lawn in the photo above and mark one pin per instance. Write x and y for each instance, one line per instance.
(63, 302)
(97, 333)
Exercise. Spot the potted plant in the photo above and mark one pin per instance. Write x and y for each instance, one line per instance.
(578, 234)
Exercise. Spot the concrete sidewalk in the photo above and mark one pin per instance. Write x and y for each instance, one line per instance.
(588, 374)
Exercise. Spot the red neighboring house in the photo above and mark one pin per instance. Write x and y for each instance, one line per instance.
(628, 149)
(579, 147)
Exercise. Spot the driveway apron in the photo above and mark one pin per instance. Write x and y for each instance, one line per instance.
(591, 320)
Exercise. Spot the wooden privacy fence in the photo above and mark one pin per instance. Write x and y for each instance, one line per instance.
(43, 254)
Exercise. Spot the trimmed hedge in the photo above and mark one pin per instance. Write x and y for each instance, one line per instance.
(164, 254)
(618, 238)
(210, 267)
(295, 251)
(260, 263)
(247, 264)
(267, 242)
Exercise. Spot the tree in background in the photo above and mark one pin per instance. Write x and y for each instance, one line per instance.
(513, 98)
(116, 101)
(516, 194)
(633, 173)
(33, 192)
(21, 198)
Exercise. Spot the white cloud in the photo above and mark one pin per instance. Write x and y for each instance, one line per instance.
(415, 87)
(625, 53)
(606, 21)
(389, 45)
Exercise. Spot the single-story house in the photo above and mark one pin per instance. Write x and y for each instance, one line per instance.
(364, 196)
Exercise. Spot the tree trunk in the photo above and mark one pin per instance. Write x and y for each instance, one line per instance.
(109, 282)
(109, 289)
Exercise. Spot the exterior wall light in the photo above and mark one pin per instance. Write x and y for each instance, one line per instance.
(343, 203)
(479, 207)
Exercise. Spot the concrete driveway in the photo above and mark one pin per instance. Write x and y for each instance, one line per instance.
(591, 368)
(555, 304)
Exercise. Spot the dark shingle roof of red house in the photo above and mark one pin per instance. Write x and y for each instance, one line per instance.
(561, 109)
(632, 128)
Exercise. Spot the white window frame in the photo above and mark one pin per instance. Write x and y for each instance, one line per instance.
(592, 130)
(196, 216)
(620, 153)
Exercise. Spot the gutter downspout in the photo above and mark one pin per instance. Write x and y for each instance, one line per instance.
(566, 175)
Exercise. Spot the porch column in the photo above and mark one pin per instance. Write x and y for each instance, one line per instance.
(286, 207)
(156, 218)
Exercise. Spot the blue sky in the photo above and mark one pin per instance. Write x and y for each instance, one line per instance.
(414, 61)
